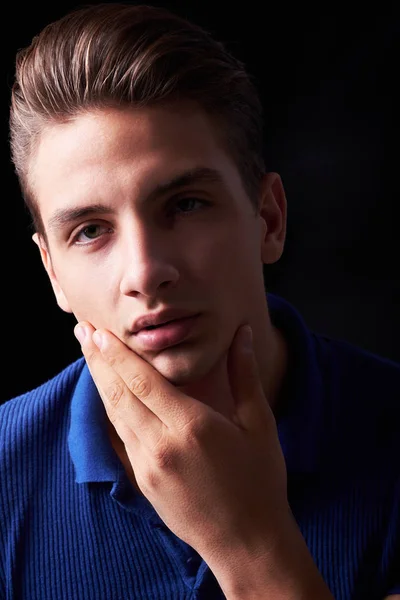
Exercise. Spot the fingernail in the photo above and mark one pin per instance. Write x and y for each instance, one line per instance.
(80, 333)
(98, 339)
(247, 338)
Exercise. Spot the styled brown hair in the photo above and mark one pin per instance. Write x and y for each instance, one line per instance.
(122, 55)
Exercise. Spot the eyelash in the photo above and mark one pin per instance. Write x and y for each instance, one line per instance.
(82, 229)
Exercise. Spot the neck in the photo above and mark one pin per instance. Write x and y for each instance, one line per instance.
(271, 353)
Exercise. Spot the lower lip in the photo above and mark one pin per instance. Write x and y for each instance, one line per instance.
(165, 335)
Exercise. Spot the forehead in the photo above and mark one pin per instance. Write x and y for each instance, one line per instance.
(95, 136)
(110, 149)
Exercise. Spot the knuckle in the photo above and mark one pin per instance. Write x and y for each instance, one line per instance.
(148, 481)
(114, 392)
(139, 385)
(112, 360)
(197, 428)
(165, 457)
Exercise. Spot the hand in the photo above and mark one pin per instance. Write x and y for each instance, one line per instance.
(219, 485)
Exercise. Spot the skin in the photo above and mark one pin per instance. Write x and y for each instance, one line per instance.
(193, 422)
(219, 484)
(133, 262)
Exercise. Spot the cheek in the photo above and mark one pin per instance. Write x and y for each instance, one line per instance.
(225, 267)
(238, 270)
(88, 295)
(218, 246)
(234, 250)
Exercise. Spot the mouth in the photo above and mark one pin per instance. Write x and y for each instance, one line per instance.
(151, 327)
(158, 337)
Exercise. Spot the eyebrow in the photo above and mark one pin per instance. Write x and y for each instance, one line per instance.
(64, 216)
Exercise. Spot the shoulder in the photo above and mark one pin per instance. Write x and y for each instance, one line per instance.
(345, 350)
(361, 392)
(354, 370)
(25, 416)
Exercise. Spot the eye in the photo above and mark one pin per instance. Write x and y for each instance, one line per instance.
(189, 200)
(93, 231)
(90, 232)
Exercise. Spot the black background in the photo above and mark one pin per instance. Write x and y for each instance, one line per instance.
(328, 77)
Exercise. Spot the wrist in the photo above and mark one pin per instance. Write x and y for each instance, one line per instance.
(283, 569)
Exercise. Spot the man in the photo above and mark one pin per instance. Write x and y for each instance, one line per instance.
(180, 457)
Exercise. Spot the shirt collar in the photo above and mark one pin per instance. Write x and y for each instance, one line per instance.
(89, 445)
(298, 414)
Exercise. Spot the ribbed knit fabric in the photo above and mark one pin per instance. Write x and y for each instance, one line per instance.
(72, 527)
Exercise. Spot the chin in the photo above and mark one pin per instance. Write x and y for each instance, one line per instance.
(181, 370)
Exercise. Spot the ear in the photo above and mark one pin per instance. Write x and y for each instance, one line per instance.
(46, 260)
(273, 214)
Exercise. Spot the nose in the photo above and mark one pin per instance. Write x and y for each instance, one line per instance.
(147, 264)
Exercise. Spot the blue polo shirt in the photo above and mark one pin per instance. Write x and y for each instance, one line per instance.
(73, 528)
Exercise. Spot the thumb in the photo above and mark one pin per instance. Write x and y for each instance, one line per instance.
(251, 407)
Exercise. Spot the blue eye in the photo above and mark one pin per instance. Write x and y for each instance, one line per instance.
(88, 231)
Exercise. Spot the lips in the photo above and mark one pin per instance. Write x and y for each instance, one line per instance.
(158, 319)
(166, 335)
(151, 327)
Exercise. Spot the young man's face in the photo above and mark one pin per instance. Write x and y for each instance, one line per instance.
(198, 247)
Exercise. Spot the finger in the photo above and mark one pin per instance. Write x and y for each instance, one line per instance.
(132, 419)
(252, 408)
(172, 407)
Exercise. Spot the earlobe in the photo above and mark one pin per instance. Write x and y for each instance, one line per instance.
(47, 263)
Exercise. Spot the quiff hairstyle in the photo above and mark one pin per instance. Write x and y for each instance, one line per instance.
(119, 55)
